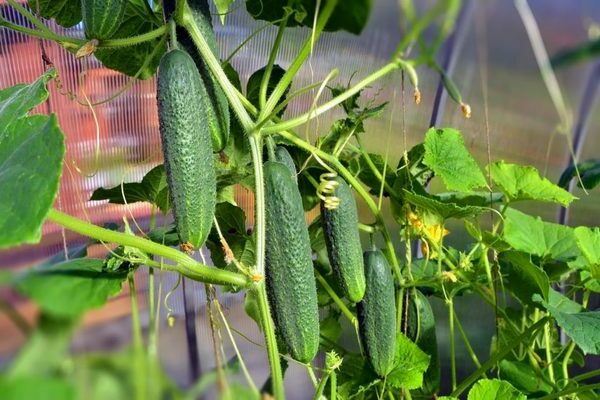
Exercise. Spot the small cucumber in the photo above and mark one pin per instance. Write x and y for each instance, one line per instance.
(291, 285)
(343, 243)
(377, 313)
(421, 329)
(102, 18)
(215, 104)
(186, 147)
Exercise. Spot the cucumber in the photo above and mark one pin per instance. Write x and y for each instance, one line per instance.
(186, 147)
(340, 226)
(291, 285)
(421, 329)
(215, 104)
(284, 157)
(377, 313)
(102, 18)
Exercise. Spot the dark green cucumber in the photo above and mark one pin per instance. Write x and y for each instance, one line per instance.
(186, 147)
(102, 18)
(340, 226)
(377, 313)
(421, 329)
(284, 157)
(215, 104)
(291, 285)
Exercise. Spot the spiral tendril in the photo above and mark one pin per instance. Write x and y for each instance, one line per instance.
(326, 190)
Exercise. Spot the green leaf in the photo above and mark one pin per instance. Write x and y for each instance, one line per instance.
(152, 189)
(31, 157)
(331, 328)
(534, 236)
(222, 7)
(37, 387)
(254, 82)
(589, 172)
(523, 377)
(410, 364)
(143, 57)
(582, 52)
(524, 279)
(588, 241)
(445, 210)
(349, 15)
(582, 327)
(520, 182)
(478, 199)
(66, 12)
(447, 156)
(166, 235)
(562, 302)
(494, 389)
(71, 288)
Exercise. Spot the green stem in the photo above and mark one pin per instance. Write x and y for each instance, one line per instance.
(264, 84)
(187, 21)
(375, 170)
(336, 299)
(321, 387)
(29, 16)
(15, 317)
(450, 303)
(302, 119)
(587, 375)
(65, 41)
(289, 75)
(467, 342)
(572, 390)
(135, 40)
(420, 25)
(138, 349)
(499, 355)
(548, 348)
(270, 341)
(241, 45)
(333, 385)
(186, 265)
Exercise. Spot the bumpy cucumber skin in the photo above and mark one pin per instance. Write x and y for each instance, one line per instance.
(284, 157)
(215, 104)
(291, 285)
(421, 329)
(343, 243)
(377, 313)
(186, 147)
(102, 18)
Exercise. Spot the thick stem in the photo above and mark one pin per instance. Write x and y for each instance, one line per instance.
(304, 118)
(289, 75)
(135, 40)
(138, 346)
(450, 304)
(577, 389)
(186, 265)
(269, 68)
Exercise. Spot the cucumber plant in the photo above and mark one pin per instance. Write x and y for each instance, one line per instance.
(303, 283)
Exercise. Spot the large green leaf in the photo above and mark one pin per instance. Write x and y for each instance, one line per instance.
(447, 156)
(588, 241)
(37, 387)
(71, 288)
(524, 279)
(494, 389)
(31, 157)
(65, 12)
(348, 15)
(520, 182)
(143, 58)
(410, 364)
(534, 236)
(152, 189)
(582, 327)
(445, 210)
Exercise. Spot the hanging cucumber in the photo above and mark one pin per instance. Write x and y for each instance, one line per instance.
(284, 157)
(215, 104)
(291, 285)
(102, 18)
(186, 147)
(377, 313)
(421, 329)
(343, 243)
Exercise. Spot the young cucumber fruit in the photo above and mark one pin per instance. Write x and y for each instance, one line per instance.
(186, 147)
(284, 157)
(377, 313)
(421, 329)
(340, 226)
(215, 104)
(291, 285)
(102, 18)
